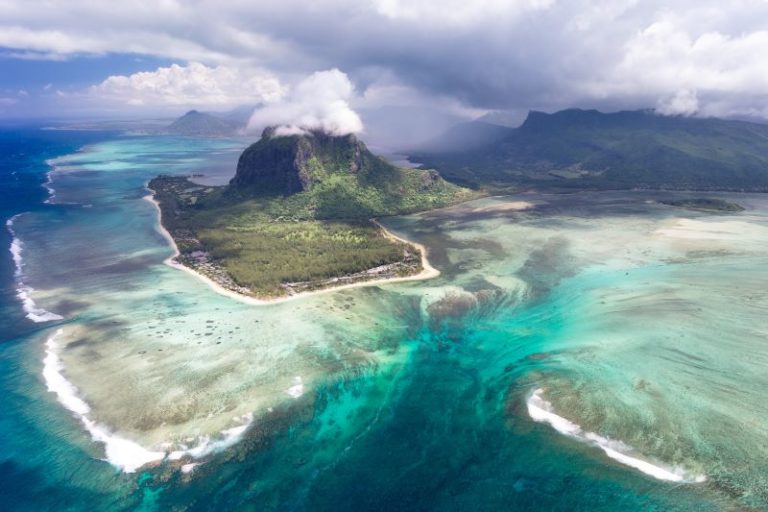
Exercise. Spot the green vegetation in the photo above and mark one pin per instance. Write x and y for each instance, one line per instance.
(577, 149)
(265, 256)
(319, 176)
(336, 195)
(706, 204)
(297, 216)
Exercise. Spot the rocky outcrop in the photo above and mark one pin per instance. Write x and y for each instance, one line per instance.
(288, 164)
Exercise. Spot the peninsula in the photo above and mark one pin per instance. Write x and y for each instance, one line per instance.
(298, 216)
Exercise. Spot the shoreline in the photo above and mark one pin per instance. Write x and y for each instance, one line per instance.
(23, 291)
(427, 272)
(127, 455)
(541, 411)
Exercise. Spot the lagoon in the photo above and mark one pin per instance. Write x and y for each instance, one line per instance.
(594, 349)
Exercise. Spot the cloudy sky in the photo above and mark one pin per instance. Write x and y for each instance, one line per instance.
(328, 59)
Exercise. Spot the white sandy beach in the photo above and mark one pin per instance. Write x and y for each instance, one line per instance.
(428, 271)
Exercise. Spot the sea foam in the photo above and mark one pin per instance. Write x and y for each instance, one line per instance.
(541, 411)
(53, 163)
(24, 292)
(297, 389)
(122, 453)
(207, 446)
(49, 180)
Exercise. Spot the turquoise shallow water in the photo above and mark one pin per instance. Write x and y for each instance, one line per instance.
(640, 323)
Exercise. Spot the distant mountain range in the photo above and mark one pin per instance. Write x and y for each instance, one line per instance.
(200, 124)
(574, 149)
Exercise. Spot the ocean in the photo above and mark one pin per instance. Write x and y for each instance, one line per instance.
(592, 351)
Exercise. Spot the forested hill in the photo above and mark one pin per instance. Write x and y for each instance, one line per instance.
(575, 149)
(322, 176)
(296, 215)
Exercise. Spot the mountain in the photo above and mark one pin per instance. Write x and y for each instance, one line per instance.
(335, 177)
(576, 148)
(508, 118)
(297, 216)
(195, 123)
(290, 164)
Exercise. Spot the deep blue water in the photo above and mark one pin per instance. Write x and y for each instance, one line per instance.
(23, 154)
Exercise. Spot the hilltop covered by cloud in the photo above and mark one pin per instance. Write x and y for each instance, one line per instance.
(319, 102)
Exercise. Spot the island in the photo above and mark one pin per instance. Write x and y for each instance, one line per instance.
(300, 216)
(201, 124)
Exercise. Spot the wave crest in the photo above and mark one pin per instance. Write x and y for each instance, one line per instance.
(122, 453)
(23, 291)
(541, 411)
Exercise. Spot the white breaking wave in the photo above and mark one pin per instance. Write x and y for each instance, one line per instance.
(540, 410)
(207, 446)
(297, 389)
(24, 292)
(48, 184)
(123, 453)
(188, 468)
(48, 180)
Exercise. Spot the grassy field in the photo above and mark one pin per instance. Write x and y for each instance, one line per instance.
(278, 245)
(263, 256)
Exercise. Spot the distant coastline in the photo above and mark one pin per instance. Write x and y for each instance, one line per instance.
(427, 272)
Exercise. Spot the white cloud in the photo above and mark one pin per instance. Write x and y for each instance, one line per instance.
(684, 102)
(319, 102)
(690, 69)
(485, 54)
(208, 31)
(386, 93)
(194, 85)
(667, 54)
(457, 12)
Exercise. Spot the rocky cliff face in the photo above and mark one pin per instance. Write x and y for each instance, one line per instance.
(294, 163)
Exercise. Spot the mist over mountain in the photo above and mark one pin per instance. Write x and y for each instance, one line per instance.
(396, 127)
(239, 115)
(508, 118)
(466, 136)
